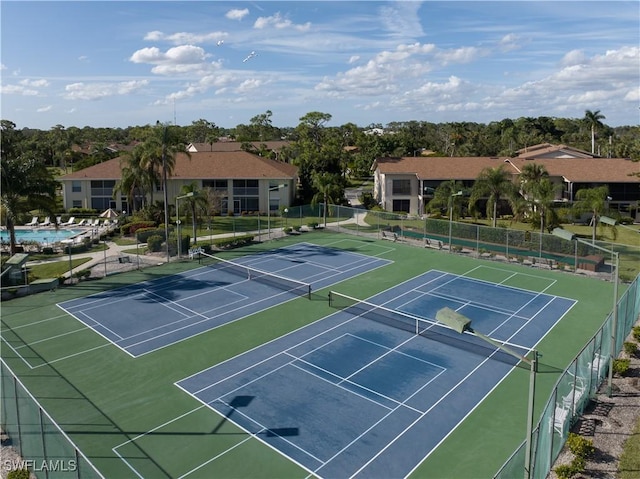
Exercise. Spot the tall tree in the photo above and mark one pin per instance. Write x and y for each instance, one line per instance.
(592, 118)
(494, 184)
(329, 190)
(26, 185)
(442, 198)
(594, 201)
(133, 182)
(195, 204)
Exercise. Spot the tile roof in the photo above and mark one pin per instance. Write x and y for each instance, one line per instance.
(205, 165)
(548, 150)
(584, 170)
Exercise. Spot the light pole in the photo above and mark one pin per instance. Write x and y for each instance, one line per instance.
(567, 235)
(164, 188)
(286, 218)
(459, 193)
(460, 324)
(273, 188)
(178, 198)
(612, 222)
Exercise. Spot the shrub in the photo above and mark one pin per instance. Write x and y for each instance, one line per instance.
(581, 449)
(19, 474)
(566, 471)
(580, 446)
(47, 250)
(223, 243)
(630, 348)
(621, 366)
(82, 274)
(154, 243)
(312, 224)
(143, 234)
(635, 332)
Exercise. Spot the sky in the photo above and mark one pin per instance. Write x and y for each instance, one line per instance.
(121, 63)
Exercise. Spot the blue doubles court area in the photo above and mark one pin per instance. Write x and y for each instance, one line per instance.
(374, 388)
(147, 316)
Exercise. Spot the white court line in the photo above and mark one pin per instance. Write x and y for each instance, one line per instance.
(38, 322)
(209, 319)
(49, 338)
(115, 448)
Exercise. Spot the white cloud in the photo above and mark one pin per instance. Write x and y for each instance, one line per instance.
(280, 23)
(460, 55)
(184, 54)
(353, 59)
(2, 66)
(386, 72)
(249, 85)
(83, 58)
(98, 90)
(34, 83)
(186, 38)
(574, 57)
(237, 14)
(509, 42)
(44, 109)
(17, 90)
(25, 87)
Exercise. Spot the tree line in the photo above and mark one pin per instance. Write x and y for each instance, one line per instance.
(326, 156)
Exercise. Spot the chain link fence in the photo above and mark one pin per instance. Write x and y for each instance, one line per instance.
(44, 448)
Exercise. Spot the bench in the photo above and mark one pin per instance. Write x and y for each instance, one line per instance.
(542, 262)
(393, 237)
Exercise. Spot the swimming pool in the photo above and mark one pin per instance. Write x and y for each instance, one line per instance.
(43, 236)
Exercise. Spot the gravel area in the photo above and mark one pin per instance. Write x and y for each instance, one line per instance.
(609, 422)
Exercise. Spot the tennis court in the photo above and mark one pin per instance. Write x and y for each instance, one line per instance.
(297, 387)
(359, 393)
(148, 316)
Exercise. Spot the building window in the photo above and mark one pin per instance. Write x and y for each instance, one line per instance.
(246, 195)
(401, 187)
(218, 185)
(401, 206)
(76, 204)
(102, 194)
(76, 186)
(245, 187)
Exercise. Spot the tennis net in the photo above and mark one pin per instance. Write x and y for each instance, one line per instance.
(280, 282)
(426, 328)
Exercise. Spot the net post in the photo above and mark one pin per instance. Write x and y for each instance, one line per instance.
(330, 298)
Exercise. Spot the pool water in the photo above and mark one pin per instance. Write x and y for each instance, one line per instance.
(43, 236)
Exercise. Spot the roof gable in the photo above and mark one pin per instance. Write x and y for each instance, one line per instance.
(206, 165)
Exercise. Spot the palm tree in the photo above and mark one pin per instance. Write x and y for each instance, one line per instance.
(542, 199)
(592, 118)
(442, 197)
(328, 190)
(133, 182)
(594, 201)
(195, 203)
(493, 184)
(26, 185)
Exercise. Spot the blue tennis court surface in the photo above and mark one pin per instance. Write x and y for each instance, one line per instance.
(348, 396)
(147, 316)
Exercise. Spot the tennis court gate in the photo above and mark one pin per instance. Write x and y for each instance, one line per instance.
(44, 447)
(573, 391)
